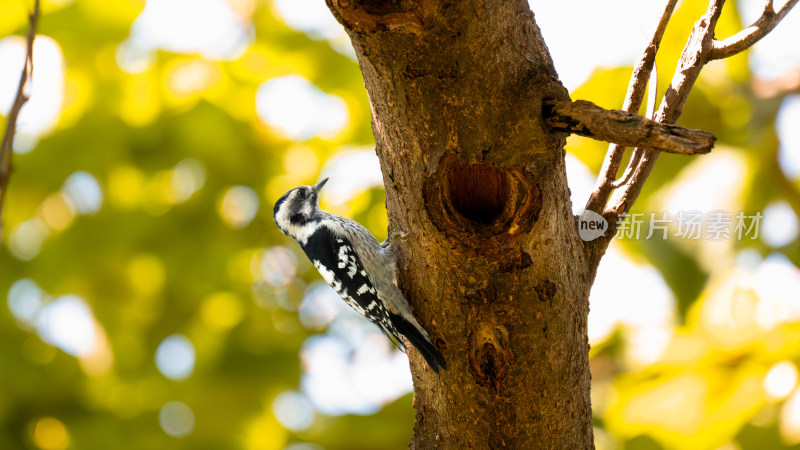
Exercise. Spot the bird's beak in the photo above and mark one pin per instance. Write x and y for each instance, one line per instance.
(319, 185)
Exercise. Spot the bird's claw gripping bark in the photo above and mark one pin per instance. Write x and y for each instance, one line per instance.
(398, 237)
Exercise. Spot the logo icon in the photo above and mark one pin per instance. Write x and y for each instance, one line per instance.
(591, 225)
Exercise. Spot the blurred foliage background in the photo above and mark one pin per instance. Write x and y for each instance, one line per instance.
(151, 302)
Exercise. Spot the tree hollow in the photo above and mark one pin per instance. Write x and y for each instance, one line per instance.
(478, 192)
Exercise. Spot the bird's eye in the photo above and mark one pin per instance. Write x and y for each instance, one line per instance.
(302, 194)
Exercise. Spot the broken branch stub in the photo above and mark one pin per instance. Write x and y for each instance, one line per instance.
(623, 128)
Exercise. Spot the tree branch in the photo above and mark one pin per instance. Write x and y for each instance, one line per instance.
(652, 95)
(633, 100)
(6, 148)
(694, 56)
(624, 128)
(745, 39)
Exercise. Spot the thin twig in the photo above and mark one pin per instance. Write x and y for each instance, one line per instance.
(652, 99)
(694, 56)
(636, 156)
(745, 39)
(6, 148)
(633, 100)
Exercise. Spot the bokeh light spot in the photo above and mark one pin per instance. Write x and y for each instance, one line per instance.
(780, 225)
(238, 206)
(278, 266)
(83, 192)
(140, 101)
(176, 419)
(265, 433)
(790, 419)
(222, 310)
(789, 136)
(68, 323)
(301, 161)
(187, 26)
(146, 274)
(186, 78)
(320, 306)
(56, 212)
(781, 380)
(353, 369)
(298, 109)
(187, 178)
(175, 357)
(293, 410)
(125, 186)
(159, 193)
(311, 17)
(351, 171)
(27, 238)
(25, 300)
(133, 58)
(50, 433)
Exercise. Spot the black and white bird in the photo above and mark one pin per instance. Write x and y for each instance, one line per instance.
(359, 269)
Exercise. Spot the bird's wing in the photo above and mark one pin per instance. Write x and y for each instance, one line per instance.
(340, 266)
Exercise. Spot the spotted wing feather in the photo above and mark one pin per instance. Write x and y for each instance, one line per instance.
(340, 267)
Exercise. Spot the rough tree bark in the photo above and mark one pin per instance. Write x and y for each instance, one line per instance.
(492, 263)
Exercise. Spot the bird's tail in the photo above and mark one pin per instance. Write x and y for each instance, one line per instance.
(433, 357)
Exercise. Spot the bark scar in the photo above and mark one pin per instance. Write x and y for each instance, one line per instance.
(546, 290)
(489, 356)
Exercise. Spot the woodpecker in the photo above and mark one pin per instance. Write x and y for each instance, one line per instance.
(359, 268)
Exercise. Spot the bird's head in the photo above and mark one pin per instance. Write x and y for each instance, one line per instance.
(297, 208)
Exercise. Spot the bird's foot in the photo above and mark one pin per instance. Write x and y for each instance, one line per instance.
(398, 237)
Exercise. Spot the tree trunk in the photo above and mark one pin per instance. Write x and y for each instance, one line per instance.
(492, 264)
